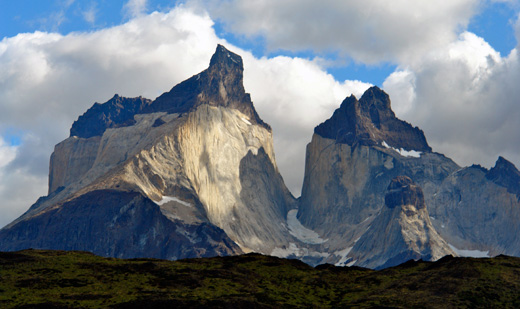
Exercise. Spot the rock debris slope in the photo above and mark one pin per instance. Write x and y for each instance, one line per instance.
(192, 172)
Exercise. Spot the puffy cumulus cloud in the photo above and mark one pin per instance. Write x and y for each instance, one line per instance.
(294, 95)
(366, 30)
(466, 98)
(47, 80)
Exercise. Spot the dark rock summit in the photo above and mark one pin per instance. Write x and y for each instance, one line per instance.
(220, 85)
(506, 175)
(402, 191)
(116, 112)
(370, 121)
(193, 174)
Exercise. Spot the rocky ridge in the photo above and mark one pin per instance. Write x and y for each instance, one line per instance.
(198, 156)
(193, 173)
(352, 158)
(370, 121)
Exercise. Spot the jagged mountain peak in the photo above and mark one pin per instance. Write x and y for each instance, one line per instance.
(224, 57)
(375, 97)
(505, 174)
(221, 84)
(371, 121)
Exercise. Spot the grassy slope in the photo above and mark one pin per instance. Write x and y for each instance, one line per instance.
(78, 279)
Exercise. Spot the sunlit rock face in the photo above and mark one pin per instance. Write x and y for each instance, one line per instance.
(198, 160)
(193, 173)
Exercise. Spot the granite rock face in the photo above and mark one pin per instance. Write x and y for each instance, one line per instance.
(401, 231)
(118, 224)
(505, 174)
(193, 173)
(354, 155)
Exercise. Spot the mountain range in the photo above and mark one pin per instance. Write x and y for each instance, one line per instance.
(193, 174)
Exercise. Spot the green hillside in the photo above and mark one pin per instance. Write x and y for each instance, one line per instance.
(58, 279)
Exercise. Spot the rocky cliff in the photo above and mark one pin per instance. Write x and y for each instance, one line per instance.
(401, 231)
(193, 173)
(197, 163)
(354, 155)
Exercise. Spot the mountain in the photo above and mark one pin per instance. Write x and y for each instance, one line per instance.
(190, 174)
(354, 156)
(193, 174)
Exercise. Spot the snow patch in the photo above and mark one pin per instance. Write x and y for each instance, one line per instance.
(166, 199)
(351, 263)
(343, 254)
(294, 251)
(403, 152)
(470, 253)
(246, 121)
(299, 231)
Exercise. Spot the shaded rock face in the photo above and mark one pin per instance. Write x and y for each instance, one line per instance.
(348, 170)
(370, 121)
(198, 159)
(401, 231)
(505, 174)
(220, 85)
(117, 111)
(473, 213)
(402, 191)
(350, 182)
(117, 224)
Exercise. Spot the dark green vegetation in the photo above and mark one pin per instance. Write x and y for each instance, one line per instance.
(59, 279)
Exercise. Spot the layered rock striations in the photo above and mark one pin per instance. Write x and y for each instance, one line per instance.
(193, 170)
(355, 154)
(193, 174)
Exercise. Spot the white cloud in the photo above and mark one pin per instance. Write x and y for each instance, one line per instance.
(89, 15)
(16, 187)
(47, 80)
(294, 95)
(462, 92)
(367, 30)
(465, 97)
(135, 8)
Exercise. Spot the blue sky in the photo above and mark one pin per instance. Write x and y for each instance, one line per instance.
(451, 67)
